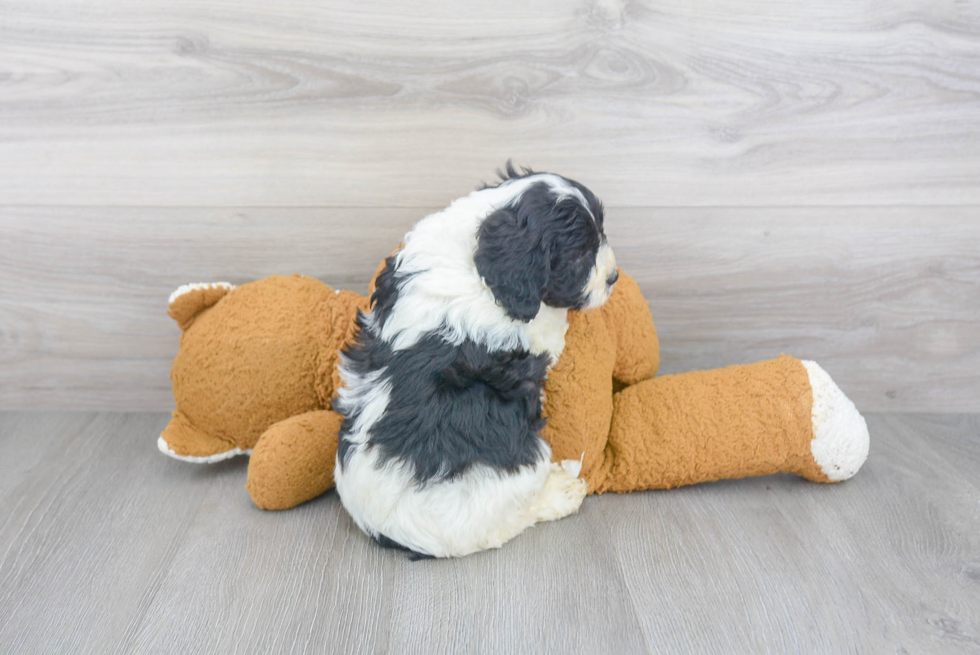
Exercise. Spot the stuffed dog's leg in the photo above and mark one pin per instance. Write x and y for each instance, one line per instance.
(628, 318)
(182, 440)
(293, 460)
(781, 415)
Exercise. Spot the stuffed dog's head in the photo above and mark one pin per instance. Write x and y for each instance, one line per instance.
(545, 245)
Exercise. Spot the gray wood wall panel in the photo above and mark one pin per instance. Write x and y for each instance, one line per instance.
(381, 103)
(132, 134)
(887, 299)
(106, 546)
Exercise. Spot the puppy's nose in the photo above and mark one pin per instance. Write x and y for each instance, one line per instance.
(611, 280)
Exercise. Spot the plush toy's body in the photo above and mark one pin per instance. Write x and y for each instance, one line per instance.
(257, 368)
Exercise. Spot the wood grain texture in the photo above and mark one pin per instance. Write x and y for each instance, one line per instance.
(886, 299)
(944, 435)
(107, 546)
(351, 103)
(97, 558)
(886, 562)
(85, 533)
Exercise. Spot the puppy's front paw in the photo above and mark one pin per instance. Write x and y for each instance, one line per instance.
(562, 495)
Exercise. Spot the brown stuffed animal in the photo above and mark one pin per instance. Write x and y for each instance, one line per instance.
(257, 368)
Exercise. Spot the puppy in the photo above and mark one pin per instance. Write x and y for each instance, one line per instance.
(439, 450)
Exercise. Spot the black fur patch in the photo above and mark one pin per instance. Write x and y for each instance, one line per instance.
(510, 172)
(513, 258)
(540, 249)
(507, 173)
(451, 407)
(386, 288)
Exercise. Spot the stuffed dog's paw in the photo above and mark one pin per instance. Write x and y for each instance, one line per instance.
(840, 434)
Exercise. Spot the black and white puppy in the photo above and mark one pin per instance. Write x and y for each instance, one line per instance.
(439, 450)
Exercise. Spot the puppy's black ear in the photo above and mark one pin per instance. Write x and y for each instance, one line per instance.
(512, 259)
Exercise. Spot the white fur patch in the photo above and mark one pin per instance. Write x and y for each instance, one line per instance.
(573, 466)
(367, 394)
(840, 434)
(546, 332)
(209, 459)
(482, 509)
(187, 288)
(597, 289)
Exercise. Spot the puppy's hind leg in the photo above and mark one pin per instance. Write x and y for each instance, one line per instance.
(562, 495)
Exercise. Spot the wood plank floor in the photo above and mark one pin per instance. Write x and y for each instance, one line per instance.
(107, 546)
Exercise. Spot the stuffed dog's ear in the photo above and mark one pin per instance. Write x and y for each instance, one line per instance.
(512, 258)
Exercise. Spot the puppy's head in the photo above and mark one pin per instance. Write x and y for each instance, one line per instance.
(545, 245)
